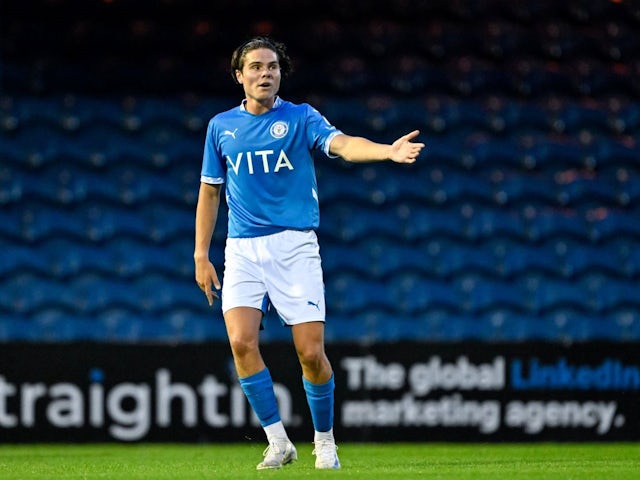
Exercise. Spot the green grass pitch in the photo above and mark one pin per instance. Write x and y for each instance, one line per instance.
(402, 461)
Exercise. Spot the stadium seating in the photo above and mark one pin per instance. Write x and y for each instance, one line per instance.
(520, 220)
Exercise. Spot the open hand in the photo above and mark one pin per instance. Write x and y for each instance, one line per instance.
(403, 150)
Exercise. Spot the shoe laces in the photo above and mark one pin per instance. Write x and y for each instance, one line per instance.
(324, 448)
(273, 449)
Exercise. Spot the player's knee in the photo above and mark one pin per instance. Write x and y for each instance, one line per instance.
(241, 346)
(313, 359)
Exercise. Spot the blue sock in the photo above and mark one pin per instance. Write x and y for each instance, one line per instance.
(258, 388)
(320, 400)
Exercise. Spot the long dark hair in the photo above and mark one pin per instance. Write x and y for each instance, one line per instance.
(280, 49)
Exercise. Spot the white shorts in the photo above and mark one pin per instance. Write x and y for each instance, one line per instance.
(283, 269)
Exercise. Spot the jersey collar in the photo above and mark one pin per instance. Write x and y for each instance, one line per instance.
(276, 103)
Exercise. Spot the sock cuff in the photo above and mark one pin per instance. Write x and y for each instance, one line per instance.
(263, 376)
(319, 388)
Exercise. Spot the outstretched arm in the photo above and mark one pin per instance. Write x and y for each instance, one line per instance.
(360, 149)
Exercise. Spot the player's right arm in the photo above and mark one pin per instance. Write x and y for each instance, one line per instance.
(360, 149)
(206, 216)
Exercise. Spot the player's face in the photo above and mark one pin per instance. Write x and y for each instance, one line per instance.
(260, 75)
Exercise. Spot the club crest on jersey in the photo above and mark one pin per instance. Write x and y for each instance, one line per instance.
(279, 129)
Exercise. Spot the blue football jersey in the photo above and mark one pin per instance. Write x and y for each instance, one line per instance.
(268, 165)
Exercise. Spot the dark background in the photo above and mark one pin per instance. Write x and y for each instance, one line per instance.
(519, 222)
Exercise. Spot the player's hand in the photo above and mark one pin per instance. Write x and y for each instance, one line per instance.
(205, 277)
(403, 150)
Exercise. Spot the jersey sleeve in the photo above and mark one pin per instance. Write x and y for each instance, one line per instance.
(319, 131)
(213, 164)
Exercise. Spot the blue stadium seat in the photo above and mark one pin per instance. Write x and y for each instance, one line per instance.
(95, 188)
(65, 257)
(630, 257)
(585, 258)
(527, 189)
(12, 183)
(351, 222)
(568, 324)
(483, 223)
(26, 292)
(150, 112)
(399, 258)
(453, 187)
(340, 258)
(11, 223)
(475, 115)
(39, 145)
(342, 188)
(65, 185)
(352, 328)
(167, 222)
(481, 294)
(395, 327)
(132, 184)
(383, 185)
(196, 327)
(436, 323)
(609, 151)
(551, 154)
(412, 112)
(18, 258)
(453, 259)
(518, 258)
(158, 293)
(17, 327)
(107, 145)
(179, 153)
(346, 114)
(481, 151)
(381, 257)
(121, 325)
(426, 222)
(41, 222)
(12, 153)
(444, 152)
(547, 224)
(627, 119)
(507, 325)
(610, 294)
(446, 114)
(347, 293)
(186, 184)
(589, 190)
(574, 117)
(102, 221)
(461, 327)
(413, 294)
(534, 118)
(180, 252)
(91, 293)
(550, 295)
(132, 258)
(383, 116)
(609, 224)
(629, 191)
(627, 324)
(60, 325)
(117, 323)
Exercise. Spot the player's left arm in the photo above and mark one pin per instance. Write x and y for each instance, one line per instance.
(360, 149)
